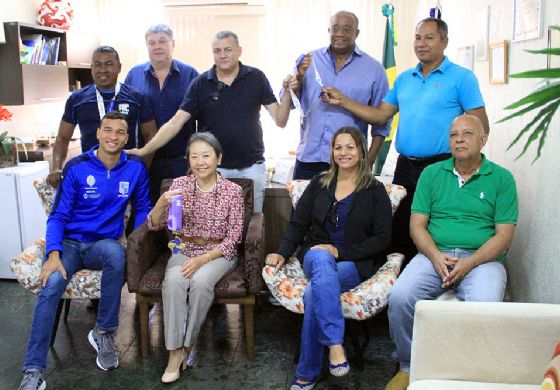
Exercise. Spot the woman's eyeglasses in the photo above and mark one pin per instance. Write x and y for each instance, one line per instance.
(333, 214)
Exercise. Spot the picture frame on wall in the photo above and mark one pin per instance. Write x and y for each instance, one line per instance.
(553, 61)
(498, 64)
(527, 19)
(465, 56)
(482, 34)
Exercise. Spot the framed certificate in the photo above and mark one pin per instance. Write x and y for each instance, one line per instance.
(527, 19)
(498, 63)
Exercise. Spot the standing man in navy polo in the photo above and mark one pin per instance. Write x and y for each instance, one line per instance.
(428, 97)
(164, 80)
(226, 101)
(88, 105)
(357, 75)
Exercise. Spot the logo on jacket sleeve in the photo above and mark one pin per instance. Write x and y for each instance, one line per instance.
(123, 189)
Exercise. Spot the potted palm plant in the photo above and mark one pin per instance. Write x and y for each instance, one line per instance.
(545, 99)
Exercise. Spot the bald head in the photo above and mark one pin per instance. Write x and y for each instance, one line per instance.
(345, 14)
(468, 120)
(467, 138)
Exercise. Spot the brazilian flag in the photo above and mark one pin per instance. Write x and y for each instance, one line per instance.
(391, 69)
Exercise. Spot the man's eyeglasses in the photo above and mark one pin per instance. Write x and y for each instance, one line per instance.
(333, 214)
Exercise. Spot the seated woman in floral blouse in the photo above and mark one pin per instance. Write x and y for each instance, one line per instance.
(212, 225)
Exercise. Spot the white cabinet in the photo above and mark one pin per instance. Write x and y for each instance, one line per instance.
(23, 218)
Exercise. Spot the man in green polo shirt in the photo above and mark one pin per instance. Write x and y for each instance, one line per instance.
(463, 219)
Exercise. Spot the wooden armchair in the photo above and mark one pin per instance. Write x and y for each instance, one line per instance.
(147, 255)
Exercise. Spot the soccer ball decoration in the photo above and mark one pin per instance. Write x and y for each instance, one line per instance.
(55, 13)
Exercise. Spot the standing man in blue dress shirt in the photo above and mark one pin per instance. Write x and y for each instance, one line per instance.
(164, 80)
(226, 100)
(345, 67)
(428, 97)
(88, 105)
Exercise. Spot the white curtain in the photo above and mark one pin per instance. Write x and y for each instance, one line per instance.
(272, 36)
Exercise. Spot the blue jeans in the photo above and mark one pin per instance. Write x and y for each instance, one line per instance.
(323, 322)
(106, 255)
(419, 281)
(256, 172)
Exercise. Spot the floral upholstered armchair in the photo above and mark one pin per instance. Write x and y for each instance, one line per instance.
(26, 266)
(360, 303)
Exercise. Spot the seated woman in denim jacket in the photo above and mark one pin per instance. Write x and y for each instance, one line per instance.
(342, 221)
(212, 225)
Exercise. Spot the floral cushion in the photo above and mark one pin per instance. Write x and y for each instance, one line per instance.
(360, 303)
(27, 268)
(27, 265)
(363, 301)
(551, 377)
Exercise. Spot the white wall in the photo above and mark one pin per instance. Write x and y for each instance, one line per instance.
(533, 267)
(532, 264)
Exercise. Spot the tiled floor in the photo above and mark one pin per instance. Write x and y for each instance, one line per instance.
(220, 356)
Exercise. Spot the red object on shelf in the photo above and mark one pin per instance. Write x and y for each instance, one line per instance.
(55, 13)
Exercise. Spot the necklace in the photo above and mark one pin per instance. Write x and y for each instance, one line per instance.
(205, 191)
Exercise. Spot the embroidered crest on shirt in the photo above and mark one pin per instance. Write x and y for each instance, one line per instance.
(124, 108)
(123, 189)
(482, 195)
(91, 191)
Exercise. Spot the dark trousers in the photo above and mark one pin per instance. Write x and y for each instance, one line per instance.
(165, 168)
(308, 170)
(406, 174)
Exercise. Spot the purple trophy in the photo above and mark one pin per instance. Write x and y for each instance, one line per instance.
(175, 219)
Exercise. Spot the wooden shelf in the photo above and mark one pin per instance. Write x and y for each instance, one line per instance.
(34, 83)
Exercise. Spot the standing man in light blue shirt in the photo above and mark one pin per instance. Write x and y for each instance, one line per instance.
(345, 67)
(428, 98)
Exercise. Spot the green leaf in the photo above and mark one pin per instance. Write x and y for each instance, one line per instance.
(3, 135)
(524, 110)
(553, 51)
(539, 115)
(550, 93)
(6, 147)
(538, 73)
(545, 117)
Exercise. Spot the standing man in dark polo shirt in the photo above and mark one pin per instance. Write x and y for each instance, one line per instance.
(226, 101)
(164, 80)
(88, 105)
(428, 98)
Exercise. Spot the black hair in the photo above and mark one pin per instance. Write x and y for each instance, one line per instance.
(441, 26)
(107, 49)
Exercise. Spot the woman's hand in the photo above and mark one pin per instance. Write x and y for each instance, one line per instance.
(161, 206)
(165, 199)
(327, 247)
(191, 265)
(275, 260)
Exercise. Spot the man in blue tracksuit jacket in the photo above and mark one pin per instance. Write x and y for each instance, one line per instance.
(83, 229)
